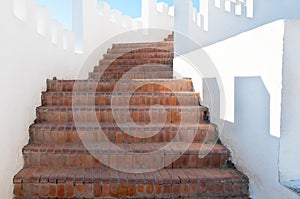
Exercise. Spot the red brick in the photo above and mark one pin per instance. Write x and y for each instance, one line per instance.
(140, 189)
(131, 190)
(60, 190)
(89, 161)
(43, 189)
(79, 190)
(193, 161)
(185, 161)
(114, 190)
(52, 190)
(202, 187)
(105, 190)
(88, 190)
(123, 191)
(149, 189)
(175, 189)
(69, 190)
(159, 189)
(219, 188)
(18, 190)
(97, 190)
(119, 137)
(193, 189)
(34, 190)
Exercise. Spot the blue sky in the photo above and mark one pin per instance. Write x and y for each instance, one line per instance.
(61, 10)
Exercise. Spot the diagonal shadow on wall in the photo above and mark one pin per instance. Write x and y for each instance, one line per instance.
(254, 151)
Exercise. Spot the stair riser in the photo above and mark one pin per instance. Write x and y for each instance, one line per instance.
(135, 62)
(107, 86)
(171, 115)
(144, 45)
(116, 135)
(145, 68)
(140, 50)
(83, 159)
(169, 39)
(199, 190)
(139, 55)
(162, 75)
(103, 99)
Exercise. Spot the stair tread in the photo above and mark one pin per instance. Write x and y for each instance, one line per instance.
(176, 148)
(147, 65)
(123, 92)
(139, 55)
(122, 106)
(165, 176)
(141, 50)
(147, 59)
(127, 80)
(72, 125)
(134, 72)
(142, 43)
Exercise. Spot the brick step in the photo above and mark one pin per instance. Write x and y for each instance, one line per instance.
(143, 68)
(168, 49)
(55, 133)
(132, 75)
(135, 62)
(106, 98)
(143, 44)
(142, 85)
(142, 156)
(107, 183)
(184, 114)
(139, 55)
(169, 39)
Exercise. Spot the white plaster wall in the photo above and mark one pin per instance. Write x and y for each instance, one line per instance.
(243, 83)
(27, 60)
(290, 127)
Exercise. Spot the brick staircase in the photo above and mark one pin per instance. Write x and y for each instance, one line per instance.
(129, 131)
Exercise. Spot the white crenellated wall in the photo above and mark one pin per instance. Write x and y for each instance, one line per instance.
(157, 15)
(221, 19)
(39, 18)
(96, 24)
(216, 20)
(35, 48)
(91, 16)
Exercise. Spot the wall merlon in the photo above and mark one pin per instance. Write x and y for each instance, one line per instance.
(136, 24)
(171, 11)
(127, 22)
(115, 16)
(44, 22)
(103, 8)
(57, 33)
(162, 7)
(39, 19)
(68, 40)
